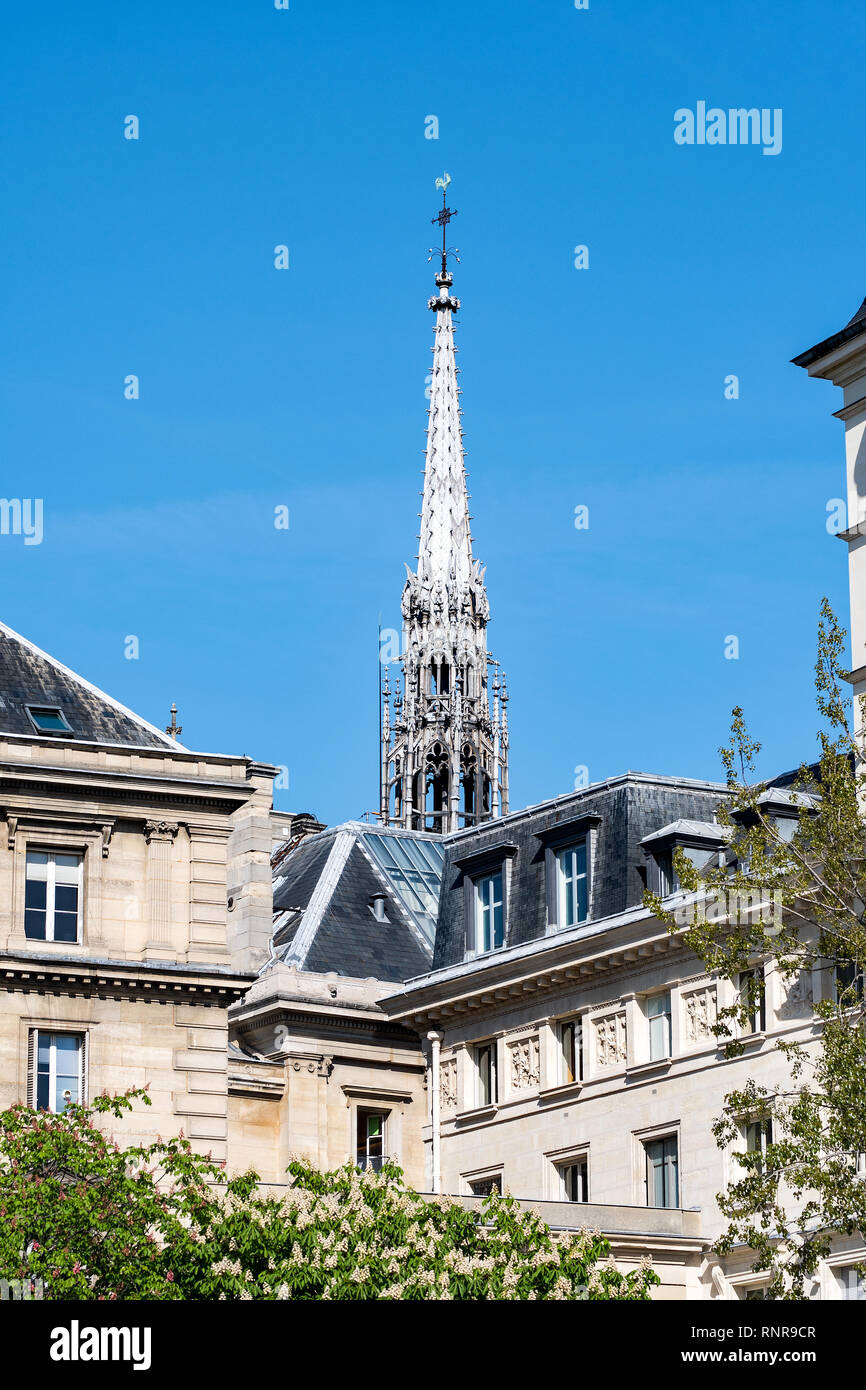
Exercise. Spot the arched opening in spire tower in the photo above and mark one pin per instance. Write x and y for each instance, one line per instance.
(440, 678)
(468, 784)
(434, 813)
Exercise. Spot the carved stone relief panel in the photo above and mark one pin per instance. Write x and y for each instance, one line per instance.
(448, 1084)
(610, 1040)
(700, 1011)
(524, 1063)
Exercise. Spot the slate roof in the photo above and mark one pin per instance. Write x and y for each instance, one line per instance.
(323, 890)
(625, 811)
(29, 676)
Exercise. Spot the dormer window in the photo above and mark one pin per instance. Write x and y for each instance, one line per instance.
(700, 841)
(568, 854)
(489, 917)
(667, 878)
(486, 883)
(48, 719)
(572, 884)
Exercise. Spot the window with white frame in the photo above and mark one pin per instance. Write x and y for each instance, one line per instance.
(370, 1152)
(56, 1069)
(575, 1178)
(570, 1036)
(753, 995)
(489, 912)
(850, 1282)
(572, 884)
(52, 896)
(658, 1012)
(484, 1057)
(662, 1171)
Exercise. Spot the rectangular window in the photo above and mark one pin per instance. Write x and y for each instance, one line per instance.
(575, 1179)
(489, 916)
(48, 719)
(57, 1069)
(752, 994)
(667, 875)
(849, 983)
(485, 1187)
(52, 896)
(572, 885)
(662, 1172)
(658, 1010)
(759, 1134)
(371, 1139)
(571, 1050)
(850, 1282)
(485, 1072)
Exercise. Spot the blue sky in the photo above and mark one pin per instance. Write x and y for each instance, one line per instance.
(602, 387)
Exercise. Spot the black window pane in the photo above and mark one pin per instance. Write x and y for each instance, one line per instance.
(35, 893)
(48, 719)
(34, 924)
(66, 897)
(65, 926)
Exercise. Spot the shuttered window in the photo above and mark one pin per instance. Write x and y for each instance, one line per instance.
(56, 1069)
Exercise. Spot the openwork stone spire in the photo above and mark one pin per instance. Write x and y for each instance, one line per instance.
(445, 741)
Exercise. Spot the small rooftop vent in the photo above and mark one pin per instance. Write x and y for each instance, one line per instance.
(377, 907)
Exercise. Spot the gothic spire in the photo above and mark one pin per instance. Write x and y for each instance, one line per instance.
(444, 754)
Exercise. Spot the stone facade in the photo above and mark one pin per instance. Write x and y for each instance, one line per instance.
(311, 1052)
(160, 841)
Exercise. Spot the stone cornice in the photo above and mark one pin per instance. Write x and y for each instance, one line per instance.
(554, 963)
(111, 784)
(155, 982)
(246, 1020)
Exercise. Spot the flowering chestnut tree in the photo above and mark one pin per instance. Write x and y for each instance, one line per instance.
(364, 1235)
(94, 1221)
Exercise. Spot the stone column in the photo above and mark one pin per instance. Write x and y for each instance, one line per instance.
(160, 847)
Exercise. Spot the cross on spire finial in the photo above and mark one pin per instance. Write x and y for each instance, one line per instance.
(442, 218)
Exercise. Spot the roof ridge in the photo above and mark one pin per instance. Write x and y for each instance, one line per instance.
(319, 899)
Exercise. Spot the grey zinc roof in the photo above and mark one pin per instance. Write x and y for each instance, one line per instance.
(696, 829)
(29, 676)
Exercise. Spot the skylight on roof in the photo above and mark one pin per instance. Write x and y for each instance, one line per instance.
(48, 719)
(414, 869)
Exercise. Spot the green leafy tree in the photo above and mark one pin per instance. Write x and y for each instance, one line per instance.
(91, 1220)
(790, 893)
(94, 1221)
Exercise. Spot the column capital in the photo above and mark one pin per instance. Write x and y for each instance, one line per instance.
(160, 830)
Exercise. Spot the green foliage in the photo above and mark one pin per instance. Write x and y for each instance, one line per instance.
(796, 902)
(90, 1220)
(97, 1222)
